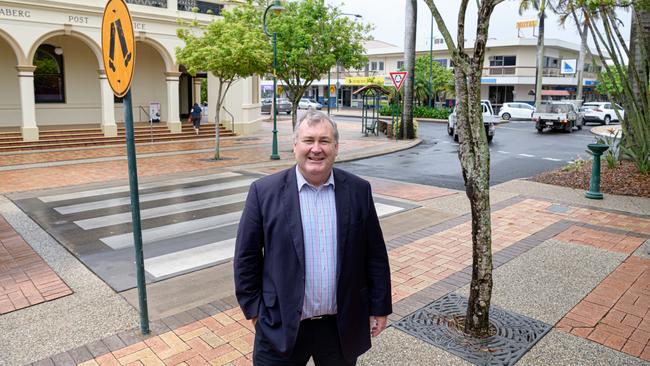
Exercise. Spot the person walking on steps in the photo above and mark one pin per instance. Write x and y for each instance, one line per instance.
(196, 117)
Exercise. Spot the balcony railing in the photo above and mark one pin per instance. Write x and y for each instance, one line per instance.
(153, 3)
(198, 6)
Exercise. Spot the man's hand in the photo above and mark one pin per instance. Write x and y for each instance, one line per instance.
(377, 325)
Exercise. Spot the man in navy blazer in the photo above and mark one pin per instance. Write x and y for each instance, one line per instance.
(303, 301)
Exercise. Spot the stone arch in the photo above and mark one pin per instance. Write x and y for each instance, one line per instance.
(168, 60)
(18, 51)
(94, 47)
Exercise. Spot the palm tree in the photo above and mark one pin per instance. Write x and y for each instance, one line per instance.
(540, 6)
(409, 65)
(566, 8)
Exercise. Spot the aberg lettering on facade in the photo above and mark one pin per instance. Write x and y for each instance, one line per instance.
(15, 13)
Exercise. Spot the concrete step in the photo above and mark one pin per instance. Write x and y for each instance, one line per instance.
(57, 139)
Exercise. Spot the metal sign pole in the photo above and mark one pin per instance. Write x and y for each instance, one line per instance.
(135, 213)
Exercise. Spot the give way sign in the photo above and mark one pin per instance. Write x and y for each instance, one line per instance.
(398, 78)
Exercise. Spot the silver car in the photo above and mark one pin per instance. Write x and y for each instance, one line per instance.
(283, 105)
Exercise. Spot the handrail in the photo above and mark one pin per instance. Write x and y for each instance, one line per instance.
(141, 109)
(232, 125)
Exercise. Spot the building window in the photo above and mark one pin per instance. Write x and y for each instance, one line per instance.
(373, 66)
(381, 65)
(198, 6)
(153, 3)
(502, 65)
(551, 62)
(49, 76)
(441, 61)
(400, 65)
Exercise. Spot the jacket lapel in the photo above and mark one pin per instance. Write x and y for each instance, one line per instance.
(342, 197)
(291, 203)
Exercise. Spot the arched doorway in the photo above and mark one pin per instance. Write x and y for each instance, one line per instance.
(10, 114)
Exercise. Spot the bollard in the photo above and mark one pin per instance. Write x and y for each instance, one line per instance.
(594, 183)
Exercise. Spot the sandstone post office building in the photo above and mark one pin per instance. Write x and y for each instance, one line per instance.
(52, 72)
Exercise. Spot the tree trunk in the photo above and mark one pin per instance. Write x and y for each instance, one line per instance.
(581, 57)
(540, 56)
(409, 66)
(217, 121)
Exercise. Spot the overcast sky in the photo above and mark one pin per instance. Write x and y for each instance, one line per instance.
(387, 16)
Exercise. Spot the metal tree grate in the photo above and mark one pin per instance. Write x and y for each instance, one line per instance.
(515, 334)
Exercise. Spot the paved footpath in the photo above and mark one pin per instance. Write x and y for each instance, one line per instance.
(578, 266)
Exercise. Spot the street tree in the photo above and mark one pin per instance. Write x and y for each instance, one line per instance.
(442, 79)
(311, 38)
(634, 89)
(411, 16)
(474, 154)
(232, 47)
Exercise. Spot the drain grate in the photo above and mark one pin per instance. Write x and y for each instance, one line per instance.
(515, 334)
(558, 208)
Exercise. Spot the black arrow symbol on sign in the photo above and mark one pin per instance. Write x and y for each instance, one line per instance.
(125, 51)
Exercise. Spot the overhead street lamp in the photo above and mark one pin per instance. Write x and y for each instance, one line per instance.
(276, 8)
(358, 16)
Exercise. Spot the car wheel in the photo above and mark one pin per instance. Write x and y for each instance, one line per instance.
(607, 120)
(288, 112)
(489, 138)
(456, 137)
(540, 129)
(506, 116)
(450, 131)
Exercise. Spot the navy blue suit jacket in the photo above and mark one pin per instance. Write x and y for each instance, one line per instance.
(269, 261)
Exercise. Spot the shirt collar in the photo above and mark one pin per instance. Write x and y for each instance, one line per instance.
(302, 181)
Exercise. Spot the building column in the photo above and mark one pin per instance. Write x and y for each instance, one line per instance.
(197, 90)
(108, 106)
(173, 121)
(172, 5)
(29, 129)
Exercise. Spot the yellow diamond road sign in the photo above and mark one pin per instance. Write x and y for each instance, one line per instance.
(118, 46)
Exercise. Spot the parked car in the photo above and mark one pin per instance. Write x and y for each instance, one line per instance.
(306, 103)
(516, 110)
(602, 112)
(284, 105)
(489, 120)
(557, 115)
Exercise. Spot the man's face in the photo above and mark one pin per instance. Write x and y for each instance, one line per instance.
(315, 150)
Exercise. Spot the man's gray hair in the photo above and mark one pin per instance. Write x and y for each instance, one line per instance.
(313, 117)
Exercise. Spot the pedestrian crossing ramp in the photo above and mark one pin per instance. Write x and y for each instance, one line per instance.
(188, 223)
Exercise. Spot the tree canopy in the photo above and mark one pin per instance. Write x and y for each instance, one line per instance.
(311, 38)
(442, 79)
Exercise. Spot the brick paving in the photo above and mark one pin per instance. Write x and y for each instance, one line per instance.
(25, 278)
(600, 239)
(408, 191)
(617, 312)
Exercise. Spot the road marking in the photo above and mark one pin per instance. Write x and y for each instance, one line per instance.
(503, 152)
(123, 218)
(552, 159)
(105, 191)
(173, 230)
(183, 260)
(527, 155)
(180, 192)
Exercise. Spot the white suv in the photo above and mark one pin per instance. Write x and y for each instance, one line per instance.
(601, 112)
(516, 110)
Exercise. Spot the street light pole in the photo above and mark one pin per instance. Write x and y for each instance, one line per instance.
(276, 8)
(431, 63)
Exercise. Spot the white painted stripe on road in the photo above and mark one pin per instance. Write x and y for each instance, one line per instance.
(527, 155)
(384, 209)
(81, 207)
(173, 230)
(503, 152)
(184, 260)
(552, 159)
(104, 191)
(125, 217)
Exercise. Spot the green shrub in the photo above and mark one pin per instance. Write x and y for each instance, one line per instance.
(418, 112)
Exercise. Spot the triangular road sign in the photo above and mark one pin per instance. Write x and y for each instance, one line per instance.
(398, 78)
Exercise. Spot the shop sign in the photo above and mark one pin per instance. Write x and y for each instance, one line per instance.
(526, 24)
(363, 80)
(15, 13)
(568, 66)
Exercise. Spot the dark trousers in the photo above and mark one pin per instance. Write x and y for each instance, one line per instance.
(196, 121)
(317, 338)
